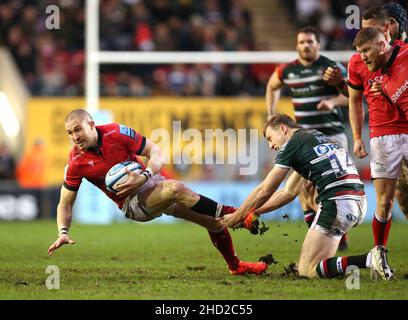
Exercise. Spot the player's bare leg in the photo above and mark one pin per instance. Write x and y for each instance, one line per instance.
(182, 212)
(316, 247)
(167, 192)
(317, 258)
(385, 192)
(174, 198)
(401, 193)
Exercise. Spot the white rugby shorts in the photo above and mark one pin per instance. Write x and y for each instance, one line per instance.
(338, 215)
(387, 154)
(134, 210)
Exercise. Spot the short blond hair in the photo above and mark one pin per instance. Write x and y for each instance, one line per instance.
(280, 118)
(365, 35)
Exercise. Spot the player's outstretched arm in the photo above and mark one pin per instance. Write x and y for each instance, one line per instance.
(273, 93)
(356, 115)
(293, 187)
(64, 217)
(258, 196)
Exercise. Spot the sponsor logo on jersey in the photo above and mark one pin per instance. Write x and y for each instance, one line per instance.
(305, 71)
(398, 93)
(375, 79)
(325, 148)
(351, 217)
(127, 131)
(109, 133)
(78, 155)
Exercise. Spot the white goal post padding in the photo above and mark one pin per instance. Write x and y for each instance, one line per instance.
(246, 57)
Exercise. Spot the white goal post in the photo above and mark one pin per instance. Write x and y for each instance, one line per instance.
(94, 57)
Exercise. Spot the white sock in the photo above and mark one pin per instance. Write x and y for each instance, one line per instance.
(368, 261)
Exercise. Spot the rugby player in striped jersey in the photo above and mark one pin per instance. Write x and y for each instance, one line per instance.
(341, 198)
(315, 98)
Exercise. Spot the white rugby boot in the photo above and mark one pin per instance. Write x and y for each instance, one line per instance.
(379, 264)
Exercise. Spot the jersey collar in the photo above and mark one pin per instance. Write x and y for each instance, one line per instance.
(99, 142)
(310, 65)
(388, 64)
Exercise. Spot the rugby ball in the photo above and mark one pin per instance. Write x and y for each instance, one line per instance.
(117, 174)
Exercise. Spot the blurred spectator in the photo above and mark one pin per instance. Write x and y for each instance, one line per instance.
(177, 79)
(305, 9)
(202, 81)
(162, 38)
(137, 88)
(7, 163)
(31, 168)
(330, 16)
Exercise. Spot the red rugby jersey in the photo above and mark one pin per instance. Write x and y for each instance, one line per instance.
(116, 143)
(384, 117)
(395, 79)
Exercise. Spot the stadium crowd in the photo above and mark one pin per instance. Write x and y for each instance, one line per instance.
(329, 16)
(52, 61)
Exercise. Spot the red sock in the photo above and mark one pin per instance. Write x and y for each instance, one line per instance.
(381, 230)
(344, 238)
(223, 242)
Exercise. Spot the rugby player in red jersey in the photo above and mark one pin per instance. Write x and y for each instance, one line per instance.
(144, 196)
(398, 25)
(387, 127)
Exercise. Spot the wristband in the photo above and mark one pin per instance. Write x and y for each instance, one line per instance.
(147, 173)
(150, 171)
(63, 231)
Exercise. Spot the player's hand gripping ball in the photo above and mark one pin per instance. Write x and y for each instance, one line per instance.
(117, 174)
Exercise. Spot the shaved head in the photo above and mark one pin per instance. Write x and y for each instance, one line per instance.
(80, 126)
(78, 114)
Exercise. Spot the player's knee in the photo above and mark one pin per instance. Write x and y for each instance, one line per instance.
(215, 226)
(172, 189)
(384, 206)
(307, 273)
(306, 270)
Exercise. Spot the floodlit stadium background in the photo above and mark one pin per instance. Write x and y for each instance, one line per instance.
(203, 63)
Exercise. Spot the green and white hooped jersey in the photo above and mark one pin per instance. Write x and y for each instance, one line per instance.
(307, 89)
(323, 162)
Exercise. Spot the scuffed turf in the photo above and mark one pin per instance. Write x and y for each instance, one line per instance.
(177, 261)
